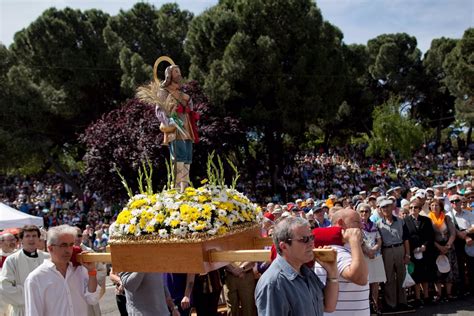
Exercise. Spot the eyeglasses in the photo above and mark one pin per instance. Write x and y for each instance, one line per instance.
(455, 201)
(363, 211)
(304, 239)
(415, 207)
(65, 245)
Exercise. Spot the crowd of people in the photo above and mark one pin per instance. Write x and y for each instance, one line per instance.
(398, 228)
(420, 243)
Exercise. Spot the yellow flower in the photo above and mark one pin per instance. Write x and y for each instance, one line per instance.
(222, 230)
(224, 219)
(124, 217)
(159, 218)
(207, 211)
(138, 203)
(149, 215)
(174, 223)
(132, 228)
(202, 199)
(142, 222)
(203, 181)
(150, 229)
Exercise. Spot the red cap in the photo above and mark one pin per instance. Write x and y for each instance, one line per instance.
(327, 236)
(270, 216)
(75, 251)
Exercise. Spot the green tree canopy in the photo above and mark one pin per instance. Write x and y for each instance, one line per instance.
(459, 66)
(63, 76)
(274, 63)
(395, 63)
(137, 37)
(393, 132)
(435, 106)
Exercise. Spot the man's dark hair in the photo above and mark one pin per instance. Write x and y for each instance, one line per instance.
(30, 228)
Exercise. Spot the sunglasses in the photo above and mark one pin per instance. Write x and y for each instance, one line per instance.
(455, 201)
(363, 211)
(415, 207)
(303, 240)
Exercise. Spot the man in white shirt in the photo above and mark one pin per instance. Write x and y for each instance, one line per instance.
(18, 266)
(57, 287)
(464, 222)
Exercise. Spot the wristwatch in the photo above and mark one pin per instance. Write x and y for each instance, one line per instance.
(408, 256)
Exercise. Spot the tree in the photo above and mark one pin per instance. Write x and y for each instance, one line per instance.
(459, 66)
(395, 64)
(393, 132)
(63, 78)
(137, 37)
(435, 107)
(275, 64)
(129, 135)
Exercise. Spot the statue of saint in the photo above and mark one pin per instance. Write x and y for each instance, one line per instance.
(174, 110)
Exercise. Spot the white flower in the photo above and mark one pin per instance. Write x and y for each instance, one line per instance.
(163, 233)
(222, 212)
(192, 226)
(157, 206)
(174, 215)
(231, 218)
(212, 231)
(179, 231)
(133, 220)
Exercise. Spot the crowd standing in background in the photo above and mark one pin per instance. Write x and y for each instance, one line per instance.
(408, 224)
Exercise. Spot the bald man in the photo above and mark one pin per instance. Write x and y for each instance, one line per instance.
(352, 268)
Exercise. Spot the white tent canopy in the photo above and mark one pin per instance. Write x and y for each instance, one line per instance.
(11, 218)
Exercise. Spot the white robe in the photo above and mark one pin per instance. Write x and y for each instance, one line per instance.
(12, 279)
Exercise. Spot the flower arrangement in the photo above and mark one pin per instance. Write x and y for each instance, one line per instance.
(212, 209)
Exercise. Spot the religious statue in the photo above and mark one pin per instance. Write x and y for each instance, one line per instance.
(174, 110)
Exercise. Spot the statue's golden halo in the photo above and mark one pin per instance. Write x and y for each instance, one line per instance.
(155, 67)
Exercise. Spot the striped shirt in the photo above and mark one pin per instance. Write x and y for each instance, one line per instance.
(353, 299)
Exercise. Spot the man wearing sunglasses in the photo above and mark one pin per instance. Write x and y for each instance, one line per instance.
(289, 287)
(464, 222)
(18, 266)
(56, 287)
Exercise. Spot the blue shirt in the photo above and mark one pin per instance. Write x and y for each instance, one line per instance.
(283, 291)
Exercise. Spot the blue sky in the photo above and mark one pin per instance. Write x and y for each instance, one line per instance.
(359, 20)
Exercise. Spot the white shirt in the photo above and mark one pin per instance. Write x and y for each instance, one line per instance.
(15, 270)
(47, 292)
(353, 299)
(464, 219)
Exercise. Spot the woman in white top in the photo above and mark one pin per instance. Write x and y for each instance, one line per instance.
(371, 248)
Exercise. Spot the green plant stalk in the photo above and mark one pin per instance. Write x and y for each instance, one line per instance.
(236, 176)
(210, 173)
(221, 171)
(124, 182)
(140, 180)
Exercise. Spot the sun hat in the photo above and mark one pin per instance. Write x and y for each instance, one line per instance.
(443, 264)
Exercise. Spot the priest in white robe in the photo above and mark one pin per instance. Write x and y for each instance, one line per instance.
(17, 267)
